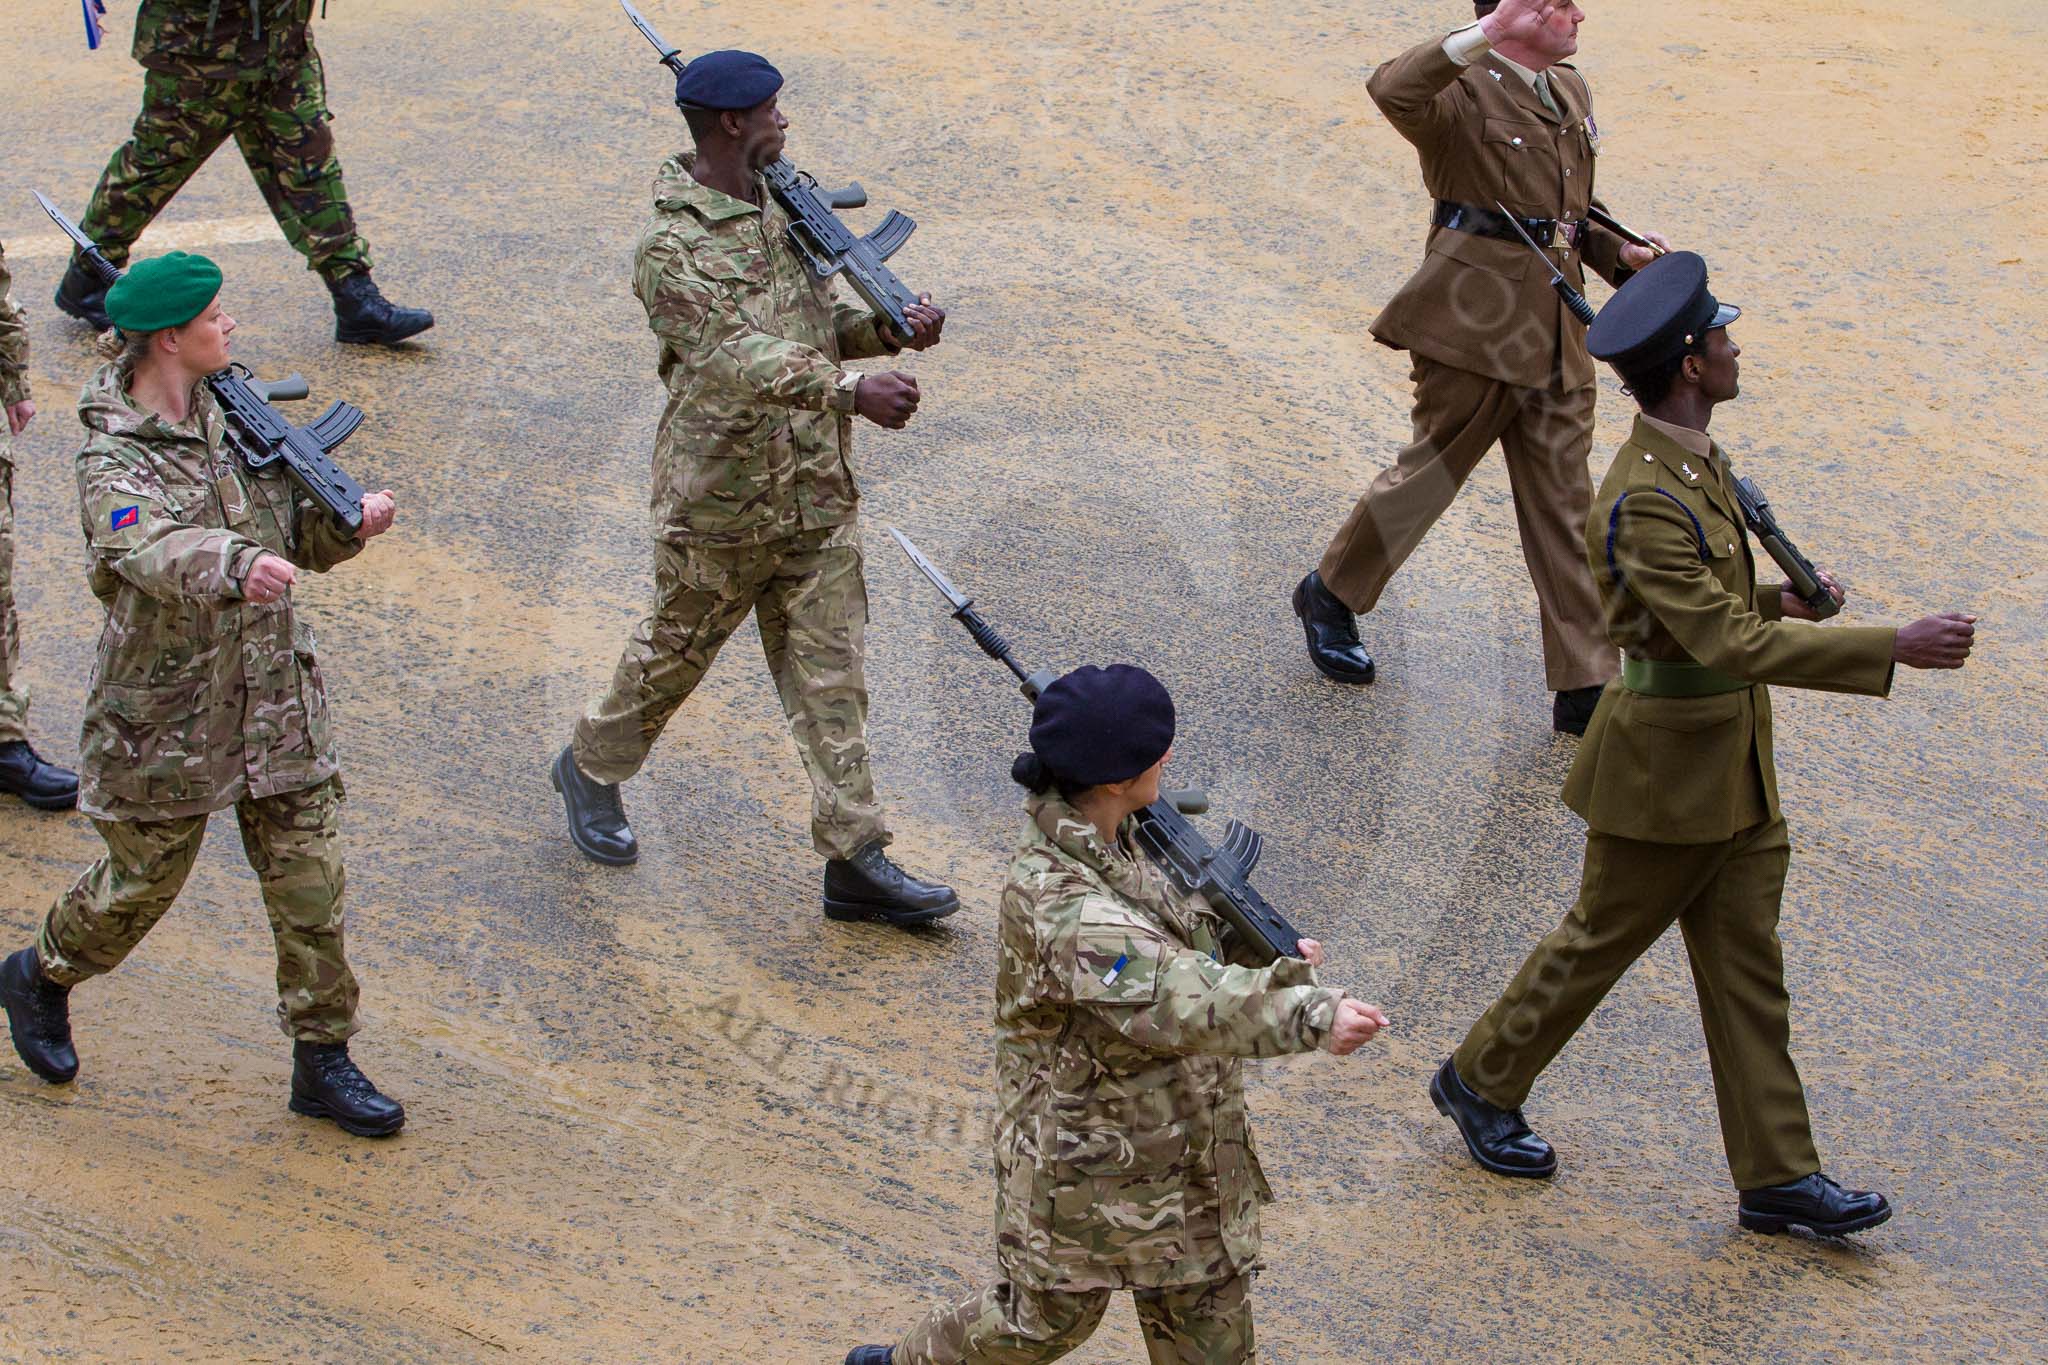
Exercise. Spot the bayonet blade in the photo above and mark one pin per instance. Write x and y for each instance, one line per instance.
(668, 54)
(71, 229)
(959, 600)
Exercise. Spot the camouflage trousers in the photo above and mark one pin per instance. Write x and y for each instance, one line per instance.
(279, 120)
(1008, 1323)
(13, 695)
(293, 841)
(807, 594)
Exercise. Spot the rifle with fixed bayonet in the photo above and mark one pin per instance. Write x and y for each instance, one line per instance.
(825, 245)
(1194, 865)
(256, 431)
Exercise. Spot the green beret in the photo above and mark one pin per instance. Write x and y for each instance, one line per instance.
(163, 291)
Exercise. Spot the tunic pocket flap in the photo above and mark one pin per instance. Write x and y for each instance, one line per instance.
(1686, 715)
(1130, 1150)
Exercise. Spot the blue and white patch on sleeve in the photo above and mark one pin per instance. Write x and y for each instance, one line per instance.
(124, 517)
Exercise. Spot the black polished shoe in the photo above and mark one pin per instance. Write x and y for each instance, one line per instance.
(1332, 630)
(363, 316)
(42, 785)
(869, 886)
(871, 1355)
(1815, 1203)
(326, 1084)
(597, 818)
(39, 1017)
(1571, 712)
(1499, 1139)
(81, 294)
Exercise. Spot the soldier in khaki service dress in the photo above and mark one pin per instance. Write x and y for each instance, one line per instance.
(245, 69)
(1124, 1154)
(1675, 779)
(205, 694)
(1498, 117)
(754, 500)
(23, 772)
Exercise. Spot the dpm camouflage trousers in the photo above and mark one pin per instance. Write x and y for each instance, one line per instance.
(293, 841)
(1007, 1323)
(807, 594)
(280, 121)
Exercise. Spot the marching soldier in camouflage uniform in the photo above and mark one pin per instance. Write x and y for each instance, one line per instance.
(754, 499)
(22, 771)
(1124, 1155)
(246, 69)
(205, 694)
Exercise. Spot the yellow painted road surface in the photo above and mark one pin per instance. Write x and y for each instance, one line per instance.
(670, 1113)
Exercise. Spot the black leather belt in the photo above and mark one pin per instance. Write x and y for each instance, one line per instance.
(1547, 232)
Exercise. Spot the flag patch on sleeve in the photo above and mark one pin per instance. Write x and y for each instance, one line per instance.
(124, 517)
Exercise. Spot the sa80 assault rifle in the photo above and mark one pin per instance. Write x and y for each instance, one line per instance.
(826, 246)
(256, 431)
(1176, 848)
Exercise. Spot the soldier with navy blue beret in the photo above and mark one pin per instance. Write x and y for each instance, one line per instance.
(1675, 779)
(755, 505)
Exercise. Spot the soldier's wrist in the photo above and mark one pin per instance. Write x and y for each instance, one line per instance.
(1468, 44)
(845, 389)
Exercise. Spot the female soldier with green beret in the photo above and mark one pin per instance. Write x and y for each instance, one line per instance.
(204, 695)
(1124, 1159)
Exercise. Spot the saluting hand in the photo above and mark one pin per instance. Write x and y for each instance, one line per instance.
(19, 415)
(1942, 641)
(270, 577)
(888, 399)
(379, 510)
(926, 321)
(1356, 1024)
(1518, 20)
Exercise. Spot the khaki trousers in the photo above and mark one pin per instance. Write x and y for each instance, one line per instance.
(1545, 436)
(1725, 898)
(1007, 1323)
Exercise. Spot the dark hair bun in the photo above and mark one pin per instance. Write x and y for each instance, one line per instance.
(1030, 771)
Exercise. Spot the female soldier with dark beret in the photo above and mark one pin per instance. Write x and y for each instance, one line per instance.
(205, 693)
(1124, 1159)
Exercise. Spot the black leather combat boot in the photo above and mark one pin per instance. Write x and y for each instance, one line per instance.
(45, 786)
(362, 314)
(327, 1085)
(1499, 1139)
(1333, 645)
(39, 1017)
(1571, 712)
(597, 818)
(1815, 1203)
(81, 294)
(869, 886)
(871, 1355)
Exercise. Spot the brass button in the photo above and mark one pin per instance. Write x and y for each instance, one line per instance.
(1518, 142)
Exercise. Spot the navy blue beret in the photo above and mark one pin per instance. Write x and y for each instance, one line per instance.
(727, 80)
(1100, 725)
(1661, 312)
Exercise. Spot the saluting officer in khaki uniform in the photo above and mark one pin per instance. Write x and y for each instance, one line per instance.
(1497, 116)
(1675, 779)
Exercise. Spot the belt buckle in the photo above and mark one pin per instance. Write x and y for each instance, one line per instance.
(1567, 235)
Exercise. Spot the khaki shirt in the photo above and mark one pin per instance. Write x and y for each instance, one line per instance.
(1124, 1156)
(198, 697)
(1483, 135)
(756, 442)
(1671, 557)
